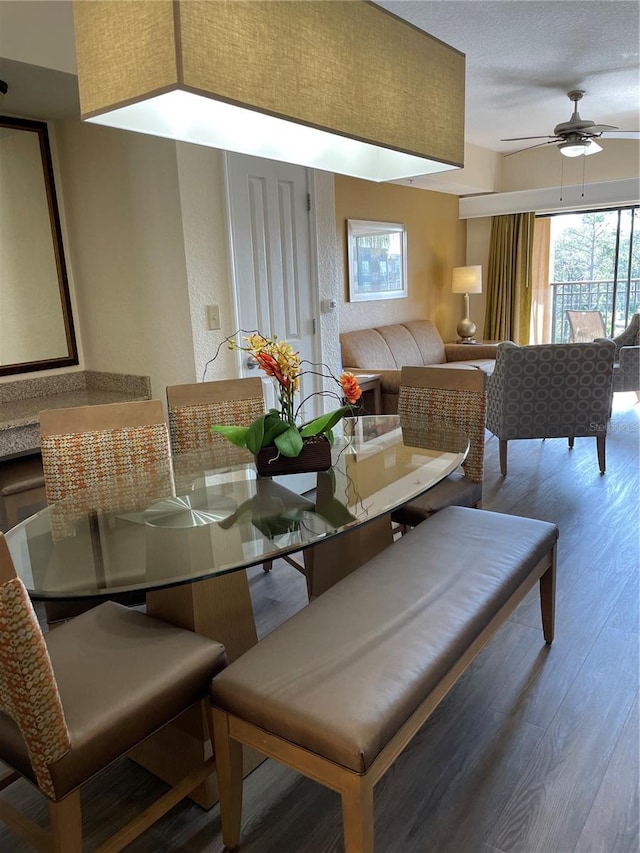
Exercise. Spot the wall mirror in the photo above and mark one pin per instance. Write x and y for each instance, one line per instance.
(36, 326)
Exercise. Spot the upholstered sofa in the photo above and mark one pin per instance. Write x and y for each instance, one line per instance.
(387, 349)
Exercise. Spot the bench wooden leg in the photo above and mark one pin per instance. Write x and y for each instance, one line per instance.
(357, 814)
(548, 600)
(228, 754)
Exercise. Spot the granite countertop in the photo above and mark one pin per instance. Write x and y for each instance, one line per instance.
(22, 400)
(18, 413)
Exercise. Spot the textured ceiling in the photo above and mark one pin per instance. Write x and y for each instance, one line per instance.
(523, 56)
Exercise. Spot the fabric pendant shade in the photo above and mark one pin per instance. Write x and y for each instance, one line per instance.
(343, 86)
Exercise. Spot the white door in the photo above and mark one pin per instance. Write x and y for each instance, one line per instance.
(275, 290)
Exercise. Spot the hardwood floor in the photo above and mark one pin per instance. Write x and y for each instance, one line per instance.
(534, 751)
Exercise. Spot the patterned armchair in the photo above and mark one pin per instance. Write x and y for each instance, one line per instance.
(626, 371)
(551, 391)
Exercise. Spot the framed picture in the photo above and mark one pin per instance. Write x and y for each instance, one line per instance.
(377, 260)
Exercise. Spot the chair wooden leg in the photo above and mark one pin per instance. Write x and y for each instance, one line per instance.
(267, 565)
(503, 457)
(601, 445)
(228, 754)
(548, 601)
(571, 441)
(66, 824)
(357, 815)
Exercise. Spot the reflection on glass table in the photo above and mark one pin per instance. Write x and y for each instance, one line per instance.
(209, 514)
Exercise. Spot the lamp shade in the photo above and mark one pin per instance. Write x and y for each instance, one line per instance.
(344, 86)
(467, 280)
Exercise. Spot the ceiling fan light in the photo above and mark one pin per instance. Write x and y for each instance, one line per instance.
(575, 148)
(593, 148)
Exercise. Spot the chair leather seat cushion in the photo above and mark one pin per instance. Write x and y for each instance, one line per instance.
(121, 675)
(455, 490)
(341, 676)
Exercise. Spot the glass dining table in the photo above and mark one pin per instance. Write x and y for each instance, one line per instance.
(183, 529)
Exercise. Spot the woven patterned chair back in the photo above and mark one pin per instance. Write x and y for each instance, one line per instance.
(122, 468)
(194, 408)
(445, 406)
(28, 690)
(585, 326)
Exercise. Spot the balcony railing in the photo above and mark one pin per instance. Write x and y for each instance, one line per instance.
(593, 296)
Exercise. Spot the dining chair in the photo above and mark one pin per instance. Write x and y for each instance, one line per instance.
(78, 698)
(193, 408)
(89, 456)
(440, 398)
(585, 326)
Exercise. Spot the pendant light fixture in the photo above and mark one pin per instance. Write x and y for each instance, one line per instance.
(343, 86)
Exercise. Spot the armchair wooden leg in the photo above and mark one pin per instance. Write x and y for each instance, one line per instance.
(503, 457)
(65, 817)
(601, 445)
(228, 754)
(571, 441)
(357, 815)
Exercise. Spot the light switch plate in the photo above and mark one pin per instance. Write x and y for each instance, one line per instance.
(213, 317)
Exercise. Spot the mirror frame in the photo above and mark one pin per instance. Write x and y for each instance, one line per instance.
(71, 358)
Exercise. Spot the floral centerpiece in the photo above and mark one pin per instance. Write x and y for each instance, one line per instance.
(280, 428)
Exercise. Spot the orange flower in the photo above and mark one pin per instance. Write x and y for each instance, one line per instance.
(352, 390)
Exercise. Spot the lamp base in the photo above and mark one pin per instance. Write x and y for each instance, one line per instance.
(466, 330)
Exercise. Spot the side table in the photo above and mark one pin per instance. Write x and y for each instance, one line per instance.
(370, 385)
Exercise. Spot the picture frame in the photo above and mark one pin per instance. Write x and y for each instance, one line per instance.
(377, 260)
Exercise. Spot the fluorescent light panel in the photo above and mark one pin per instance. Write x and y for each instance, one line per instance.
(194, 118)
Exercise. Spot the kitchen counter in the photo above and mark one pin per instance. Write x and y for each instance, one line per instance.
(21, 401)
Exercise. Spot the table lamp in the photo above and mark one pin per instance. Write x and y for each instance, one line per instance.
(466, 280)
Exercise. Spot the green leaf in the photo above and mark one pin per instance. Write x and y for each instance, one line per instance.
(289, 443)
(273, 426)
(235, 434)
(325, 422)
(255, 435)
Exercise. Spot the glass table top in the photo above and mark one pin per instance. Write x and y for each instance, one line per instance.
(207, 513)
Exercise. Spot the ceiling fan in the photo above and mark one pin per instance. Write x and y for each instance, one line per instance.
(574, 137)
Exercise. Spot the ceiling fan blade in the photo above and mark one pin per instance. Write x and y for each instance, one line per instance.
(625, 134)
(522, 138)
(600, 128)
(530, 147)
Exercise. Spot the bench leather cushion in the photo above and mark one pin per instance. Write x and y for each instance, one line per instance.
(342, 676)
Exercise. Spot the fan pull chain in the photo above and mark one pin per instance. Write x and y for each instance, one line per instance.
(561, 176)
(583, 168)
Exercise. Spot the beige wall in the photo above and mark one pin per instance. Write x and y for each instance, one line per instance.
(546, 167)
(435, 244)
(126, 250)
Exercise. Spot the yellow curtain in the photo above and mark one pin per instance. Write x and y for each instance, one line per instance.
(509, 278)
(540, 331)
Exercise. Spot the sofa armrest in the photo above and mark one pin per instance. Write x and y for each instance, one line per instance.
(465, 352)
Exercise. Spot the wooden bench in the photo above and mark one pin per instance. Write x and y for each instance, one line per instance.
(339, 690)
